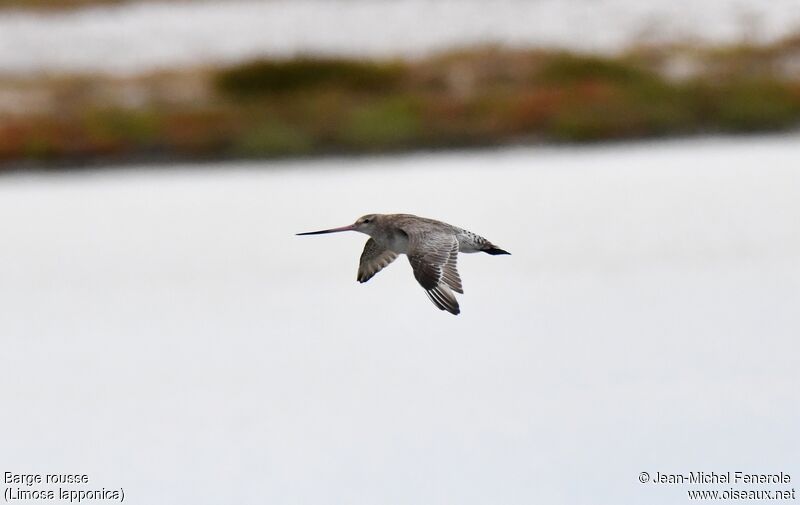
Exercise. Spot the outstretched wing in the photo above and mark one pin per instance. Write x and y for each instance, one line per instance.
(373, 259)
(433, 257)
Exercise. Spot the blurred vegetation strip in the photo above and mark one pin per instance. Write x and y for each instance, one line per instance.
(56, 4)
(469, 97)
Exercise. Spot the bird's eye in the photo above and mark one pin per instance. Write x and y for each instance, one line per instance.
(366, 220)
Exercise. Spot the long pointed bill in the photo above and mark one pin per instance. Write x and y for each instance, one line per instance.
(332, 230)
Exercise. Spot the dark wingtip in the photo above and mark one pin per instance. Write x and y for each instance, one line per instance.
(495, 251)
(451, 310)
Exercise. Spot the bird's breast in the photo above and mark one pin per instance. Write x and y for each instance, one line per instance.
(395, 242)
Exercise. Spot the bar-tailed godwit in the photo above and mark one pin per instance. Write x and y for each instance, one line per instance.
(432, 248)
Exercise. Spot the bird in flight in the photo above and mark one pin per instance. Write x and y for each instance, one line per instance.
(432, 248)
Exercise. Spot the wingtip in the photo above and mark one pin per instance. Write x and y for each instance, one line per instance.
(455, 311)
(443, 298)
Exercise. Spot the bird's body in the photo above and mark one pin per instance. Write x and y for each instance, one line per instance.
(432, 248)
(392, 232)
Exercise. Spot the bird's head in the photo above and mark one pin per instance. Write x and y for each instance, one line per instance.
(364, 224)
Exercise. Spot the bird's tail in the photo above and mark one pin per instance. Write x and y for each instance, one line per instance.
(494, 250)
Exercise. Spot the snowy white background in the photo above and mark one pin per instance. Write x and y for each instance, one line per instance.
(164, 331)
(143, 36)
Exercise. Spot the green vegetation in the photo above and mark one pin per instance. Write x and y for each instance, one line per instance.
(389, 123)
(272, 138)
(265, 77)
(481, 96)
(566, 69)
(754, 105)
